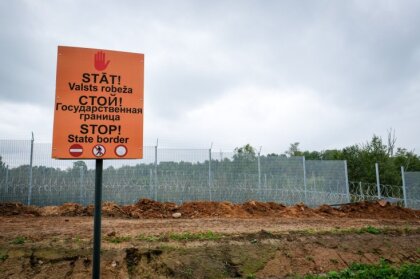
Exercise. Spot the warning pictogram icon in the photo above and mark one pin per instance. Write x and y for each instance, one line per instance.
(100, 63)
(76, 150)
(120, 150)
(99, 150)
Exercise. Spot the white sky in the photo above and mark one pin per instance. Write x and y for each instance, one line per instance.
(327, 74)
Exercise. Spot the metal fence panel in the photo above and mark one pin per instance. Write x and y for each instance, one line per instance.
(412, 186)
(175, 175)
(326, 182)
(14, 170)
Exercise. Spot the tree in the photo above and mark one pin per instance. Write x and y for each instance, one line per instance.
(293, 150)
(244, 160)
(80, 165)
(311, 155)
(3, 167)
(407, 159)
(375, 149)
(391, 141)
(244, 153)
(2, 164)
(333, 154)
(356, 170)
(361, 160)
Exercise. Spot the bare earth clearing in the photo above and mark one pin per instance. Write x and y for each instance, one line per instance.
(209, 240)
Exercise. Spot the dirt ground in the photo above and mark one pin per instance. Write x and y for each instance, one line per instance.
(149, 209)
(250, 240)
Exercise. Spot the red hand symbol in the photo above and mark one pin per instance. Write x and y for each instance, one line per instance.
(100, 64)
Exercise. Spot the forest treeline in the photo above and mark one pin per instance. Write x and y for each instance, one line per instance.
(361, 159)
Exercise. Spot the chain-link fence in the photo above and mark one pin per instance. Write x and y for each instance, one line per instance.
(179, 175)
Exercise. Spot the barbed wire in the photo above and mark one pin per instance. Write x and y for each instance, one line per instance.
(180, 175)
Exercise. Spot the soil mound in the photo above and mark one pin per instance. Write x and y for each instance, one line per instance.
(109, 209)
(67, 209)
(326, 211)
(112, 209)
(377, 210)
(257, 208)
(71, 209)
(9, 209)
(264, 209)
(299, 210)
(50, 210)
(203, 209)
(146, 209)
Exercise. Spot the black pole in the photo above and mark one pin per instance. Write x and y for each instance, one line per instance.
(97, 221)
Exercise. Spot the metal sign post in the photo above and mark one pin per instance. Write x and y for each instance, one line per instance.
(97, 220)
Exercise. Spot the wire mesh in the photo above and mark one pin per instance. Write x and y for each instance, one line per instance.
(178, 175)
(326, 182)
(412, 186)
(14, 170)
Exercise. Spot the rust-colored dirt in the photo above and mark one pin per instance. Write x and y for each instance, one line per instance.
(145, 209)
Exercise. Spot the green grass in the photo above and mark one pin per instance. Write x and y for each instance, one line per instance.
(383, 270)
(366, 229)
(187, 236)
(18, 240)
(118, 239)
(370, 229)
(183, 236)
(78, 240)
(149, 238)
(363, 230)
(3, 256)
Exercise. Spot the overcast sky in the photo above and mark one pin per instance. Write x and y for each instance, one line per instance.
(327, 74)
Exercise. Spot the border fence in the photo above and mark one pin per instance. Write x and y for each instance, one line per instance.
(29, 175)
(411, 184)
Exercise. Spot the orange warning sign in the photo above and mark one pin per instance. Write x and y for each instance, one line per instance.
(98, 111)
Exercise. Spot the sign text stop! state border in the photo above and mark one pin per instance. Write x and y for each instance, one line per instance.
(99, 104)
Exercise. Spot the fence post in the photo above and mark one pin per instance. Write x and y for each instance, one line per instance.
(209, 179)
(155, 171)
(7, 179)
(347, 181)
(81, 184)
(150, 184)
(30, 170)
(259, 170)
(403, 186)
(265, 181)
(378, 184)
(361, 190)
(304, 179)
